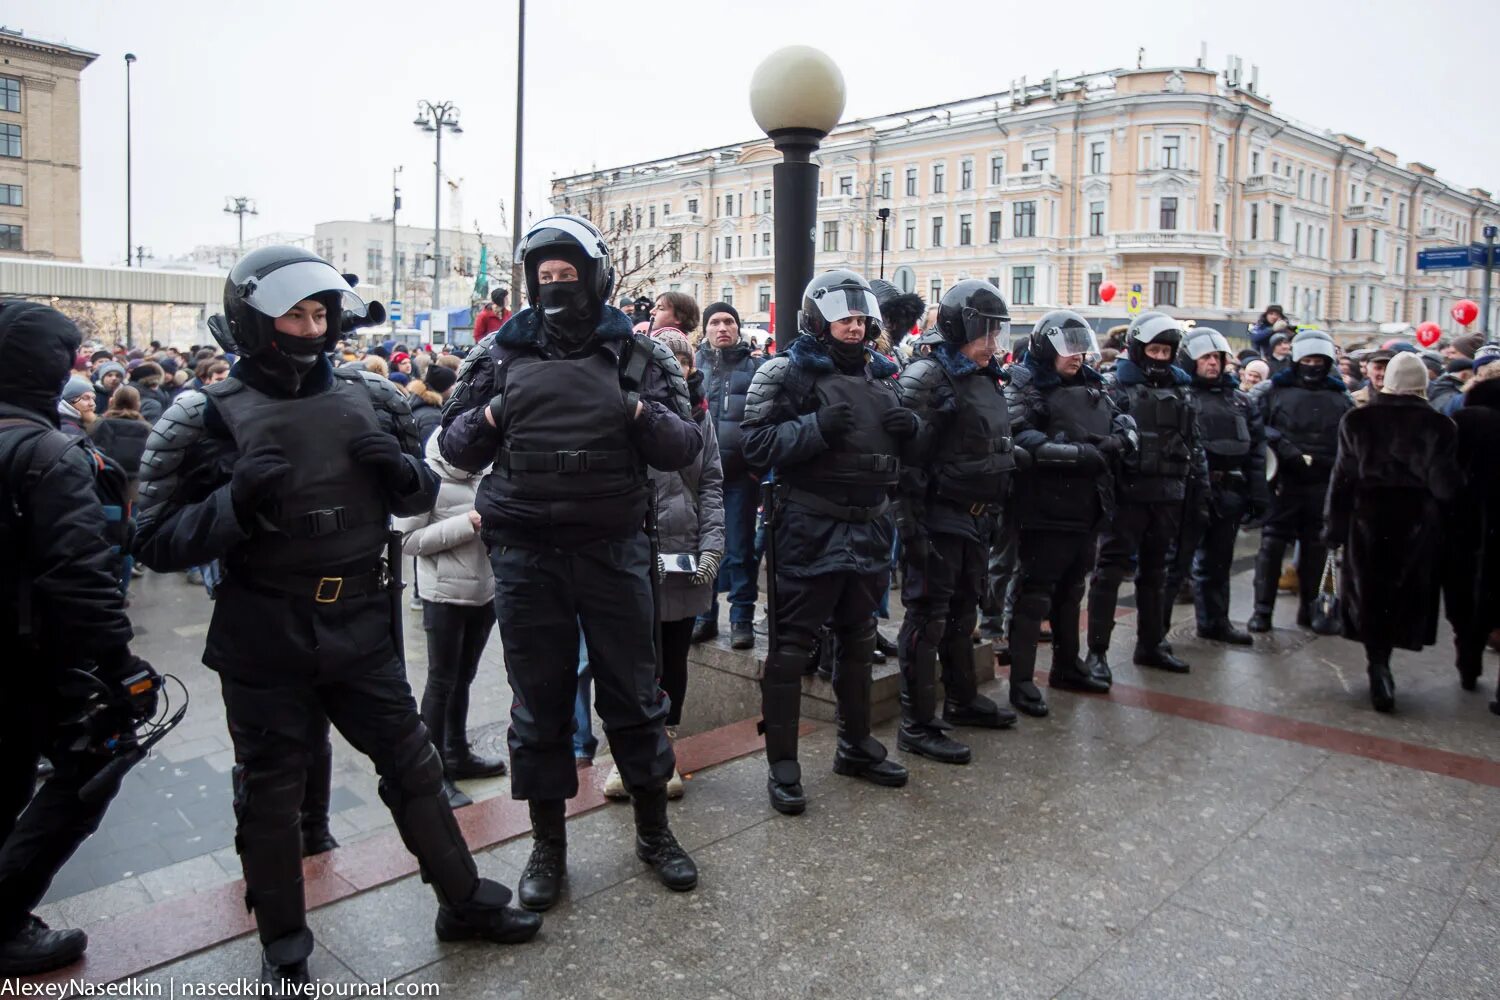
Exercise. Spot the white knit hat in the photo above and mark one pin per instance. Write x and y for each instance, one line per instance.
(1406, 375)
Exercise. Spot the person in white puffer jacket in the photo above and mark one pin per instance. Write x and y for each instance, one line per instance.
(458, 613)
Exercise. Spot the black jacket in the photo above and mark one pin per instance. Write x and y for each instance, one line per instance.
(1302, 426)
(124, 440)
(1136, 487)
(727, 375)
(1472, 585)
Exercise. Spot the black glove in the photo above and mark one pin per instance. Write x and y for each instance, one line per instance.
(1108, 444)
(255, 478)
(900, 423)
(836, 420)
(382, 453)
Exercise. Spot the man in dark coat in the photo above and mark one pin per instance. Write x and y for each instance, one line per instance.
(1396, 466)
(726, 361)
(1472, 574)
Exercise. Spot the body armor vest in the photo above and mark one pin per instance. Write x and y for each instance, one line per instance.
(1164, 421)
(974, 460)
(566, 433)
(867, 455)
(1079, 411)
(1224, 427)
(329, 510)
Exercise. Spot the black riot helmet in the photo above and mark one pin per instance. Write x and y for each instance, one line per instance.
(836, 295)
(1060, 333)
(1313, 356)
(1152, 328)
(578, 241)
(266, 283)
(971, 310)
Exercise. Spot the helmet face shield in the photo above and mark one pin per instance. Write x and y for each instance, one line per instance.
(275, 291)
(1072, 338)
(588, 239)
(839, 303)
(978, 326)
(1309, 347)
(1150, 330)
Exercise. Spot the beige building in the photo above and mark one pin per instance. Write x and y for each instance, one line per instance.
(1180, 181)
(39, 149)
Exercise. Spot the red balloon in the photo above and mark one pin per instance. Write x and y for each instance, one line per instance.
(1107, 291)
(1428, 333)
(1465, 311)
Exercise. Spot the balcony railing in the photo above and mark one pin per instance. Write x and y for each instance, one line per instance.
(1032, 180)
(1171, 241)
(1367, 213)
(1269, 184)
(681, 219)
(1427, 232)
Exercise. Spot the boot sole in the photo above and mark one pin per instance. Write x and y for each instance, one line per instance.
(905, 747)
(453, 931)
(1077, 687)
(862, 771)
(1034, 711)
(789, 809)
(674, 886)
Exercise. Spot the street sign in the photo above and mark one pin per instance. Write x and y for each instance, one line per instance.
(1490, 232)
(1447, 258)
(1133, 300)
(393, 310)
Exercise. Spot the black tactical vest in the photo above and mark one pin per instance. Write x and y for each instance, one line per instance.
(867, 455)
(974, 460)
(1164, 421)
(566, 433)
(1224, 426)
(1079, 411)
(329, 510)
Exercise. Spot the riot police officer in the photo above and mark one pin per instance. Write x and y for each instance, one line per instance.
(950, 500)
(1301, 408)
(571, 408)
(287, 472)
(827, 416)
(64, 631)
(1234, 444)
(1153, 485)
(1065, 421)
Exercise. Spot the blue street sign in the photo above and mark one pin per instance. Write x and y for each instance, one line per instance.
(1445, 258)
(393, 310)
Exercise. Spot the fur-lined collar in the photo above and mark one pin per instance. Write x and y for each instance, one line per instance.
(1486, 393)
(956, 363)
(810, 353)
(1127, 372)
(524, 328)
(1047, 377)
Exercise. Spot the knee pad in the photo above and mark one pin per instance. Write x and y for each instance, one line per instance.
(933, 630)
(415, 768)
(268, 794)
(1033, 603)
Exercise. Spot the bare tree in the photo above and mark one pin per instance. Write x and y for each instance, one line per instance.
(640, 265)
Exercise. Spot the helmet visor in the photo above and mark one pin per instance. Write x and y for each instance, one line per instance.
(1071, 339)
(1308, 347)
(978, 326)
(1156, 326)
(586, 237)
(276, 291)
(1206, 342)
(839, 303)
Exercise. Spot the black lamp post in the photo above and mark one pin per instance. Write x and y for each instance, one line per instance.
(434, 118)
(796, 96)
(885, 217)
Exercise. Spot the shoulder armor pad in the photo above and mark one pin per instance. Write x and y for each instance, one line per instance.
(383, 392)
(682, 401)
(765, 388)
(179, 427)
(920, 379)
(227, 387)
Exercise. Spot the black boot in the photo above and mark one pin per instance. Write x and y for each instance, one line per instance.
(963, 705)
(704, 629)
(741, 635)
(283, 962)
(921, 733)
(1096, 665)
(1226, 632)
(884, 646)
(858, 754)
(1469, 658)
(1382, 684)
(1025, 623)
(1267, 573)
(461, 763)
(485, 916)
(655, 845)
(36, 948)
(1071, 675)
(541, 882)
(979, 713)
(781, 708)
(1159, 658)
(316, 837)
(456, 797)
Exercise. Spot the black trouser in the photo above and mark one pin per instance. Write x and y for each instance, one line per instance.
(941, 597)
(1002, 572)
(1139, 536)
(1296, 516)
(846, 602)
(1054, 566)
(1215, 558)
(40, 831)
(456, 637)
(542, 597)
(676, 640)
(277, 728)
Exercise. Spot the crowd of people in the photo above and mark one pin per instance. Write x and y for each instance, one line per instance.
(592, 481)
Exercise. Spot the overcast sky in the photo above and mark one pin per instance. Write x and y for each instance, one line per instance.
(306, 105)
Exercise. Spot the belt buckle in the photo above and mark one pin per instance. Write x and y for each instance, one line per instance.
(338, 588)
(978, 509)
(572, 461)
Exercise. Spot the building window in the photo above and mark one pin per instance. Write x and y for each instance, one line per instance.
(937, 231)
(728, 248)
(10, 194)
(692, 207)
(10, 237)
(934, 289)
(638, 253)
(674, 248)
(10, 140)
(1023, 219)
(1023, 286)
(997, 170)
(830, 236)
(1301, 177)
(911, 182)
(966, 175)
(1275, 227)
(1219, 160)
(763, 298)
(885, 184)
(1254, 162)
(1164, 288)
(911, 234)
(966, 230)
(1215, 300)
(1353, 301)
(1253, 276)
(374, 259)
(1040, 159)
(651, 215)
(638, 215)
(1169, 213)
(1170, 150)
(1254, 222)
(1096, 157)
(995, 227)
(885, 239)
(1096, 218)
(1218, 217)
(846, 184)
(1401, 215)
(939, 172)
(10, 94)
(666, 210)
(1275, 286)
(1095, 280)
(1354, 243)
(726, 295)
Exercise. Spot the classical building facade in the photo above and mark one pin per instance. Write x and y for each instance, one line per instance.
(39, 148)
(1180, 182)
(368, 250)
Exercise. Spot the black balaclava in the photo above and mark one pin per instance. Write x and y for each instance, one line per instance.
(288, 359)
(38, 344)
(569, 311)
(1313, 370)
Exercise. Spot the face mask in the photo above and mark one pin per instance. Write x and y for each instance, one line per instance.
(1313, 375)
(847, 355)
(301, 352)
(567, 312)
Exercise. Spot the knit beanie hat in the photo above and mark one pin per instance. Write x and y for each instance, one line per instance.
(673, 340)
(1468, 344)
(720, 307)
(1406, 375)
(439, 379)
(76, 387)
(1486, 354)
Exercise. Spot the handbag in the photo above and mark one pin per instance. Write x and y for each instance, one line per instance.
(1327, 614)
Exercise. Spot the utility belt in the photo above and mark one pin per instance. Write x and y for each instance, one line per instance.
(973, 509)
(839, 512)
(564, 461)
(1231, 477)
(328, 521)
(320, 589)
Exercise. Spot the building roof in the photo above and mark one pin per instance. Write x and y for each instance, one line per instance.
(16, 38)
